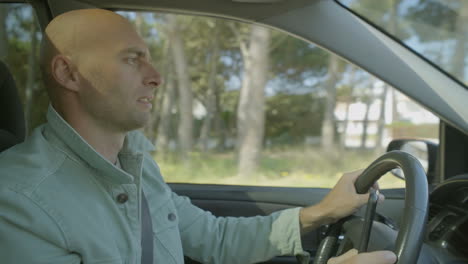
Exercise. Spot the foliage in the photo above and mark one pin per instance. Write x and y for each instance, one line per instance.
(292, 117)
(294, 166)
(19, 23)
(433, 13)
(408, 130)
(295, 60)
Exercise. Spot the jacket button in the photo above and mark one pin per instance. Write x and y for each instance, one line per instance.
(171, 217)
(122, 198)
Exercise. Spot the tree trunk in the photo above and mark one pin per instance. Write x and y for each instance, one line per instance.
(379, 147)
(185, 129)
(3, 32)
(349, 100)
(346, 121)
(210, 104)
(251, 108)
(166, 72)
(365, 124)
(395, 114)
(164, 126)
(220, 126)
(31, 76)
(328, 125)
(345, 127)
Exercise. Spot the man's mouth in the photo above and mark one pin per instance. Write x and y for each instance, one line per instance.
(147, 101)
(144, 100)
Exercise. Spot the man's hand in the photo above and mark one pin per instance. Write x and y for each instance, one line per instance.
(376, 257)
(341, 201)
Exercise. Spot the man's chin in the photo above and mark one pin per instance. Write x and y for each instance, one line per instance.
(137, 123)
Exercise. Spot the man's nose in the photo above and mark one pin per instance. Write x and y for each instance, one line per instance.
(152, 77)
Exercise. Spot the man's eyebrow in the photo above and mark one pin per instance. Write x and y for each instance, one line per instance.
(139, 52)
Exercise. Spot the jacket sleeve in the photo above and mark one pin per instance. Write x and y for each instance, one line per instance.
(210, 239)
(28, 234)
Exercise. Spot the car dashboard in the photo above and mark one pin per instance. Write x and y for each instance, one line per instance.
(447, 229)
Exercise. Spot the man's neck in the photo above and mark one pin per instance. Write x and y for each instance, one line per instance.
(106, 142)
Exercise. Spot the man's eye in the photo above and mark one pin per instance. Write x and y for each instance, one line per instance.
(132, 61)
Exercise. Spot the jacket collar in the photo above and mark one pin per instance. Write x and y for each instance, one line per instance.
(130, 156)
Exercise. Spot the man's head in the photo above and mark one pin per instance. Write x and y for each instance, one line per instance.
(97, 68)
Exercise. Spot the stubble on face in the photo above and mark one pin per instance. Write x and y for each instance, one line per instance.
(111, 99)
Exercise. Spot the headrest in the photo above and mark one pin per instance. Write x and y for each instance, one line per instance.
(12, 123)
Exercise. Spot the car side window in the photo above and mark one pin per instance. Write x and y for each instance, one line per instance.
(20, 38)
(244, 104)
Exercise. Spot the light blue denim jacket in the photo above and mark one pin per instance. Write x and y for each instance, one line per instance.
(59, 204)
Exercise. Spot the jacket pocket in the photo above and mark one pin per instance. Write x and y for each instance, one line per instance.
(164, 217)
(167, 244)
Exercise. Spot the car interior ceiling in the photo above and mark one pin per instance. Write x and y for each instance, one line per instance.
(236, 9)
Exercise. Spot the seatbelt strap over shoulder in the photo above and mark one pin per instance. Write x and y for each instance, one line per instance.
(146, 232)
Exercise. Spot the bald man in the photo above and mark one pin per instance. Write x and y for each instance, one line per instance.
(77, 190)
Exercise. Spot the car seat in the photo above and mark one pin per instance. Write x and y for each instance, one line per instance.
(12, 122)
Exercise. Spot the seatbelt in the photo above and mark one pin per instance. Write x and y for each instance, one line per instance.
(146, 232)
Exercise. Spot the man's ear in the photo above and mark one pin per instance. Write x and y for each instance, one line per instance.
(64, 72)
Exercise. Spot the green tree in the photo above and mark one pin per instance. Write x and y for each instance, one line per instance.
(290, 118)
(31, 82)
(329, 122)
(450, 17)
(23, 37)
(251, 108)
(185, 128)
(345, 94)
(210, 96)
(3, 31)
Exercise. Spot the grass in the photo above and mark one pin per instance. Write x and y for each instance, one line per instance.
(291, 167)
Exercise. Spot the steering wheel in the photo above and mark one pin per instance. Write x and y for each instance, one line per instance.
(410, 236)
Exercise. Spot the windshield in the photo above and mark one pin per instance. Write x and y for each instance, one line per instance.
(436, 29)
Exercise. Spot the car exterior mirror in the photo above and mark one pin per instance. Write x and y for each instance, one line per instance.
(424, 150)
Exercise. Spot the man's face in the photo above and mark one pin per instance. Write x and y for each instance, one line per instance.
(118, 80)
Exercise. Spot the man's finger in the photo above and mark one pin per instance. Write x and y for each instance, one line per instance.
(376, 185)
(381, 198)
(353, 175)
(377, 257)
(363, 198)
(340, 259)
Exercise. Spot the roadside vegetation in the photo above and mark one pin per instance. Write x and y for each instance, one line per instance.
(292, 166)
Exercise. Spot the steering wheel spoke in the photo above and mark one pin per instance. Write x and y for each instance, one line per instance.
(368, 220)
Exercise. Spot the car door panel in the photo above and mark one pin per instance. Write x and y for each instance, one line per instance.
(225, 200)
(228, 200)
